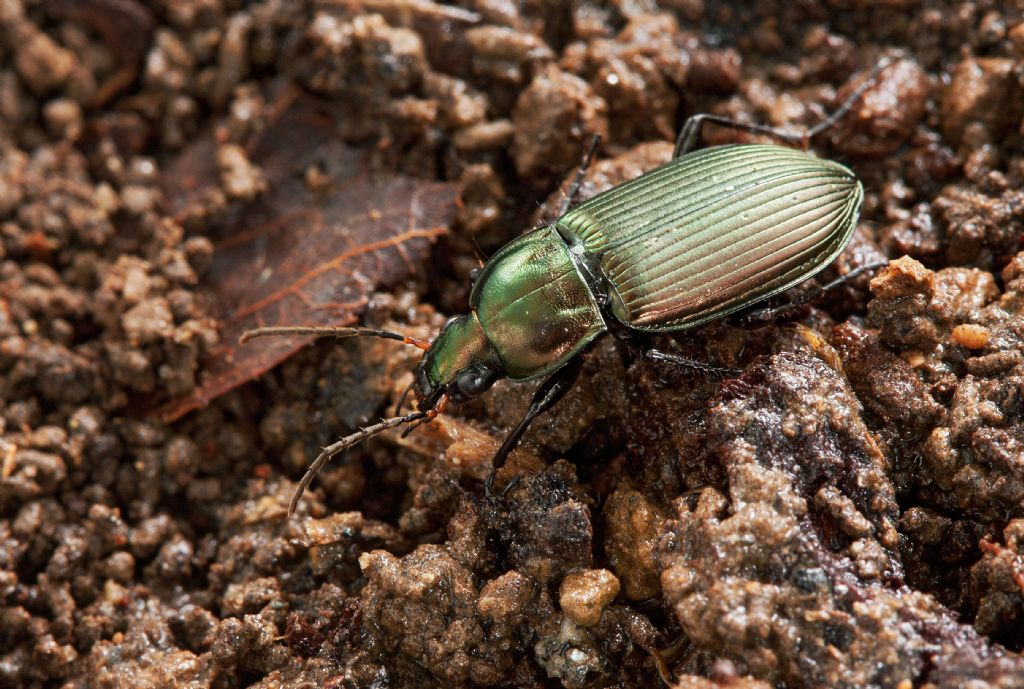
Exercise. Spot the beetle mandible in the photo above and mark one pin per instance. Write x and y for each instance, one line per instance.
(710, 233)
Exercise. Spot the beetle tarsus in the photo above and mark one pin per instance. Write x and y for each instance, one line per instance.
(690, 136)
(766, 316)
(856, 272)
(489, 486)
(696, 364)
(512, 483)
(548, 394)
(847, 105)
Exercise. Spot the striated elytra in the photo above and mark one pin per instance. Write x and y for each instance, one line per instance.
(708, 234)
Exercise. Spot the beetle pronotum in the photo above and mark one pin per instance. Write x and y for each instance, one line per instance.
(710, 233)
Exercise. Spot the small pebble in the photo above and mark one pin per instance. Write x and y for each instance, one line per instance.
(971, 336)
(584, 595)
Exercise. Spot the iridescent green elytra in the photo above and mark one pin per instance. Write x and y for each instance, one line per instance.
(703, 236)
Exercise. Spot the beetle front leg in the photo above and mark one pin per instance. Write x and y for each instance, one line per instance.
(547, 395)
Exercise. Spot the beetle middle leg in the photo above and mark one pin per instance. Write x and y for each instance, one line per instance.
(695, 364)
(636, 344)
(689, 137)
(548, 394)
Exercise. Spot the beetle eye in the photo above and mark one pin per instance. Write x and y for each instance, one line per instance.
(475, 381)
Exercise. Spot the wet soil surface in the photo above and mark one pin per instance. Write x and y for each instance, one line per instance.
(846, 511)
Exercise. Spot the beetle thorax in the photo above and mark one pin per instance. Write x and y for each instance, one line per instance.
(534, 306)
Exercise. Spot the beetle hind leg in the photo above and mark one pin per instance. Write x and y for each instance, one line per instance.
(768, 315)
(548, 394)
(689, 138)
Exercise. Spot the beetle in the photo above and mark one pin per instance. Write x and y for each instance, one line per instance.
(710, 233)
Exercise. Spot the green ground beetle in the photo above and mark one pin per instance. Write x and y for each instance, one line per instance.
(708, 234)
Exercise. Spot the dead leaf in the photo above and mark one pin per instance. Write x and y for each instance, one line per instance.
(303, 254)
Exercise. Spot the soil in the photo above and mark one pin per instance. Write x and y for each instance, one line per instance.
(847, 510)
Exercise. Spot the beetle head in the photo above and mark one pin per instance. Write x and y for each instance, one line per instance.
(461, 363)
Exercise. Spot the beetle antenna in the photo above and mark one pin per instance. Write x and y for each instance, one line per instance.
(330, 331)
(354, 439)
(342, 445)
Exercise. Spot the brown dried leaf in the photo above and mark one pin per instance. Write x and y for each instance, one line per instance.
(300, 254)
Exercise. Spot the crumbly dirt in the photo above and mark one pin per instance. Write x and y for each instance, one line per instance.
(845, 511)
